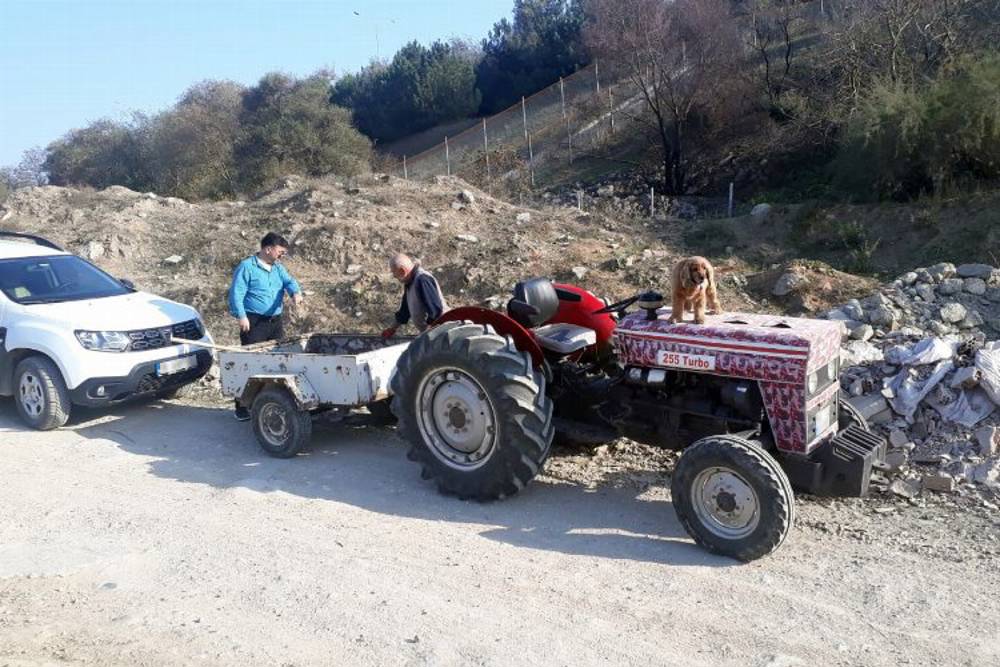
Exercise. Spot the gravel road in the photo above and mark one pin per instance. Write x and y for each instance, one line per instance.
(159, 534)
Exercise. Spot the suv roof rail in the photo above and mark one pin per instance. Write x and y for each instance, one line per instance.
(31, 237)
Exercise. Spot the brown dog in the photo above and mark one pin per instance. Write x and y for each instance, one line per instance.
(693, 284)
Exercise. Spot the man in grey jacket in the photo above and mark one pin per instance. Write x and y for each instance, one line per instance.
(422, 299)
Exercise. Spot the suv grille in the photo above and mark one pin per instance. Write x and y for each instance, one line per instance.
(152, 339)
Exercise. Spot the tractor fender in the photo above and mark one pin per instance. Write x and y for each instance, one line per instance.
(504, 325)
(296, 384)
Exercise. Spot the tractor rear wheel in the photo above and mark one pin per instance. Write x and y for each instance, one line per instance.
(732, 497)
(474, 410)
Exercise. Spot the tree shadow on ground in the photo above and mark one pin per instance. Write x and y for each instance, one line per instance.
(365, 466)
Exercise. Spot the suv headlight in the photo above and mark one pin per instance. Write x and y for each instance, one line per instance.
(103, 341)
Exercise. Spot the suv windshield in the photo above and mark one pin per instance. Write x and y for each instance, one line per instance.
(55, 278)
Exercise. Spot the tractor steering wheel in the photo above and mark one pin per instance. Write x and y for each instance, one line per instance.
(618, 306)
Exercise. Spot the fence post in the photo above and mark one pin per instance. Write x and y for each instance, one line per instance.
(524, 117)
(611, 105)
(447, 155)
(531, 162)
(486, 152)
(730, 199)
(579, 200)
(569, 135)
(406, 176)
(652, 201)
(597, 78)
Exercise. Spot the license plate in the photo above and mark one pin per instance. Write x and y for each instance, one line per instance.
(690, 362)
(177, 365)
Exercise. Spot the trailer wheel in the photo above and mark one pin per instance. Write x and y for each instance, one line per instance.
(281, 428)
(848, 415)
(732, 497)
(474, 410)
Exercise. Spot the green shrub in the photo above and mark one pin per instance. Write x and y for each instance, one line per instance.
(905, 140)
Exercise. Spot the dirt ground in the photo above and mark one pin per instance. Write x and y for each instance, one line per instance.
(159, 534)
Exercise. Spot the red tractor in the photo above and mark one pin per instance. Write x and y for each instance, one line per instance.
(753, 400)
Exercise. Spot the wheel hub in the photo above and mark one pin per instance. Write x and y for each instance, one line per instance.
(725, 503)
(31, 394)
(273, 424)
(456, 417)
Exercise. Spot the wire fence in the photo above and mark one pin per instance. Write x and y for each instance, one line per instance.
(520, 148)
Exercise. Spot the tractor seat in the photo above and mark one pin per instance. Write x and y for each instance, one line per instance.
(535, 302)
(565, 338)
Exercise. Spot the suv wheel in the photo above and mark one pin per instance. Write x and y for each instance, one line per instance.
(40, 394)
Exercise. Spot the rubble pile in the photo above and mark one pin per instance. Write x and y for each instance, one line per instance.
(921, 361)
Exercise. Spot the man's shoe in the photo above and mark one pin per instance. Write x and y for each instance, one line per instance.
(242, 414)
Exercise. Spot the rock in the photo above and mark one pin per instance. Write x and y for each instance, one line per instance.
(787, 284)
(854, 310)
(975, 286)
(615, 264)
(93, 250)
(863, 332)
(925, 292)
(468, 238)
(939, 482)
(837, 315)
(457, 206)
(965, 378)
(760, 211)
(994, 324)
(872, 407)
(173, 259)
(940, 328)
(606, 191)
(987, 473)
(908, 278)
(174, 201)
(974, 270)
(883, 316)
(859, 352)
(941, 271)
(431, 224)
(523, 217)
(466, 197)
(972, 320)
(896, 459)
(579, 272)
(953, 312)
(993, 294)
(898, 438)
(950, 286)
(988, 439)
(904, 489)
(353, 268)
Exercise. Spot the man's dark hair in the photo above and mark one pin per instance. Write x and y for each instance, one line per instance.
(273, 239)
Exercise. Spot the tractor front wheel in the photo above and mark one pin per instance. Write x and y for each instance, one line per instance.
(474, 410)
(732, 497)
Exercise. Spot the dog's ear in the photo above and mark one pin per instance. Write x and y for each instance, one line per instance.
(684, 274)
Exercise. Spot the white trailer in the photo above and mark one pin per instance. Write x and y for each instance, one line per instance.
(285, 384)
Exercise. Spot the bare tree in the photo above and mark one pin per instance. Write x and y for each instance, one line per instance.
(678, 56)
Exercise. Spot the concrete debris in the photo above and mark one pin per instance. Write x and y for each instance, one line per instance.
(579, 272)
(916, 361)
(173, 259)
(939, 482)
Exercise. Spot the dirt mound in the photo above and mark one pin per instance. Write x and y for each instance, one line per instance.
(341, 235)
(803, 288)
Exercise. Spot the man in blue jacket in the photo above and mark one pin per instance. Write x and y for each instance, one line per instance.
(257, 295)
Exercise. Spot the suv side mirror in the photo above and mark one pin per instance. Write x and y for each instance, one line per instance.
(127, 283)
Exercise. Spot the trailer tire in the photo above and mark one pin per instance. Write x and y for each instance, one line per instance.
(282, 429)
(474, 410)
(732, 497)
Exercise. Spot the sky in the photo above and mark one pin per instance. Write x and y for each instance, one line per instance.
(65, 63)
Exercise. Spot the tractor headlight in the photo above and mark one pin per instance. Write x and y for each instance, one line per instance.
(103, 341)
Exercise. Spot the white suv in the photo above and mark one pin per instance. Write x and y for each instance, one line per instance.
(70, 334)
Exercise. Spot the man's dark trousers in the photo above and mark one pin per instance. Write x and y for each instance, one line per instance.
(262, 328)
